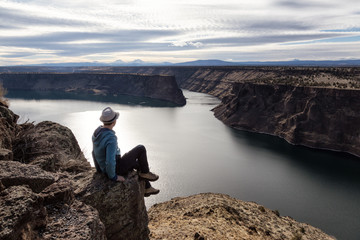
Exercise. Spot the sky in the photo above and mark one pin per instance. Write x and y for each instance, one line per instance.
(54, 31)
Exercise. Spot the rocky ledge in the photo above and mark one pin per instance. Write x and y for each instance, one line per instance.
(48, 190)
(217, 216)
(152, 86)
(324, 118)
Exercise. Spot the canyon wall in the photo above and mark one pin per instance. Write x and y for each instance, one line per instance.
(316, 117)
(152, 86)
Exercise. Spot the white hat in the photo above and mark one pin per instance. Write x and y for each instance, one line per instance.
(108, 115)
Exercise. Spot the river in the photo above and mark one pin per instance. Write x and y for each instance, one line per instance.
(193, 152)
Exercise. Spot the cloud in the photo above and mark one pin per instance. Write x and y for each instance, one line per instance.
(280, 25)
(86, 43)
(265, 39)
(162, 29)
(187, 44)
(302, 4)
(20, 18)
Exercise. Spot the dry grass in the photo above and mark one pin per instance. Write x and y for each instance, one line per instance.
(3, 100)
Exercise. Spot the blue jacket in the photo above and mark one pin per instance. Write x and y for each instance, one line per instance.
(105, 149)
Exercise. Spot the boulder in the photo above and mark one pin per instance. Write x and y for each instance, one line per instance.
(67, 217)
(6, 154)
(21, 212)
(51, 146)
(120, 204)
(14, 173)
(48, 210)
(76, 221)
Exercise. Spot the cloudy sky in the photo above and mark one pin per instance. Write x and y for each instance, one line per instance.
(48, 31)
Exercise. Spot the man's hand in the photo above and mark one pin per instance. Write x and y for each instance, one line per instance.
(120, 178)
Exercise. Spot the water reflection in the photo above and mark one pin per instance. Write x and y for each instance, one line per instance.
(60, 95)
(318, 161)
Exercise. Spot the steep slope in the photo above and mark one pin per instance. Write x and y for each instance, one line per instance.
(152, 86)
(316, 117)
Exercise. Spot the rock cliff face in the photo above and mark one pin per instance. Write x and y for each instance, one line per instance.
(152, 86)
(216, 216)
(120, 205)
(315, 117)
(49, 191)
(218, 80)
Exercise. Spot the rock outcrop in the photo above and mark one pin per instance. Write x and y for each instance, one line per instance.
(152, 86)
(49, 191)
(49, 145)
(120, 205)
(41, 205)
(315, 117)
(216, 216)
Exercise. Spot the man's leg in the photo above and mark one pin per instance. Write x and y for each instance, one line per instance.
(136, 158)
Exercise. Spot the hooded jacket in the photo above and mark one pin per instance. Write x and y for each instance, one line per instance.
(105, 149)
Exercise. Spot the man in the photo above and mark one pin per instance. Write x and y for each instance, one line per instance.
(108, 159)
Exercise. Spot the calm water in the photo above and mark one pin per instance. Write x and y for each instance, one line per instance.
(193, 152)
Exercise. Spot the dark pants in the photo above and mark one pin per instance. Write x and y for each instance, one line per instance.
(134, 159)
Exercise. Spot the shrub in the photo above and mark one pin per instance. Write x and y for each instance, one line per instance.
(262, 209)
(277, 213)
(3, 100)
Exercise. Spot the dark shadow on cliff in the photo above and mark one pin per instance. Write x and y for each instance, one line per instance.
(119, 99)
(331, 165)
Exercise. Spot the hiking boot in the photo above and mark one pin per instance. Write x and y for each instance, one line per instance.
(151, 191)
(149, 176)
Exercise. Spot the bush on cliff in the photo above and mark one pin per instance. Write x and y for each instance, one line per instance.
(3, 101)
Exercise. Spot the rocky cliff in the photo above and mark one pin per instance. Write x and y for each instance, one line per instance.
(152, 86)
(217, 216)
(218, 80)
(49, 191)
(316, 117)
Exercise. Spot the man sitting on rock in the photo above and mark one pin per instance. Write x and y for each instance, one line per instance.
(107, 157)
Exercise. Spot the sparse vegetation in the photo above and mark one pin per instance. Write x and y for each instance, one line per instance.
(3, 100)
(262, 209)
(277, 213)
(342, 78)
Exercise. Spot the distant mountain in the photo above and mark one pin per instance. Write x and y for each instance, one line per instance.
(210, 62)
(137, 62)
(296, 62)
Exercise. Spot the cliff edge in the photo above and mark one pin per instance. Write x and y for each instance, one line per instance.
(217, 216)
(324, 118)
(151, 86)
(48, 190)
